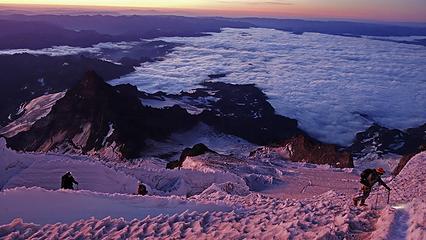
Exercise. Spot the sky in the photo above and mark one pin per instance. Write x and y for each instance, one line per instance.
(386, 10)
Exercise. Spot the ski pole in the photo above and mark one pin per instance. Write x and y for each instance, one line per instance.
(388, 196)
(377, 198)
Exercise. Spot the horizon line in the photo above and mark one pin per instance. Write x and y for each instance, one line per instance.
(192, 12)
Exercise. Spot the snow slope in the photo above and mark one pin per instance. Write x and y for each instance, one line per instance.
(45, 170)
(254, 217)
(276, 177)
(90, 175)
(47, 206)
(405, 216)
(297, 201)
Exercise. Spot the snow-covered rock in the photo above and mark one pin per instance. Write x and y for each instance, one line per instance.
(31, 112)
(227, 188)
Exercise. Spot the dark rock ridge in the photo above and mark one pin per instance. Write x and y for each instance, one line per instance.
(25, 77)
(216, 76)
(243, 111)
(381, 140)
(306, 149)
(135, 27)
(94, 117)
(112, 122)
(303, 148)
(196, 150)
(239, 110)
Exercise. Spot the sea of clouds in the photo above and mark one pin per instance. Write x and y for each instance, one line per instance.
(69, 50)
(334, 86)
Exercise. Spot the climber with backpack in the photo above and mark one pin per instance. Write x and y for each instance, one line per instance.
(68, 181)
(369, 177)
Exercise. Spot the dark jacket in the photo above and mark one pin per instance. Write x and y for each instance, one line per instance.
(67, 181)
(142, 190)
(369, 177)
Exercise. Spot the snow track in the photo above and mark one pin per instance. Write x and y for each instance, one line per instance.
(399, 227)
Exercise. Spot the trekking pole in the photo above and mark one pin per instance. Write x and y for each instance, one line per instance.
(377, 198)
(388, 196)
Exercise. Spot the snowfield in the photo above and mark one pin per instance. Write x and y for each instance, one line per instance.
(47, 206)
(254, 217)
(213, 196)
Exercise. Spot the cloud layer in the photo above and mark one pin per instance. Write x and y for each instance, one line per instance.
(335, 86)
(68, 50)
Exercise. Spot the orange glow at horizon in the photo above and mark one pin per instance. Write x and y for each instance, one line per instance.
(389, 10)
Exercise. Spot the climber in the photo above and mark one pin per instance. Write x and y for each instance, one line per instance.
(141, 189)
(369, 177)
(67, 181)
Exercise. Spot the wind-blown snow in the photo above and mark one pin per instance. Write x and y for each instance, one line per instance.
(328, 83)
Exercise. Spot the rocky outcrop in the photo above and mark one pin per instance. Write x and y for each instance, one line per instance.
(239, 110)
(244, 111)
(305, 149)
(217, 75)
(380, 140)
(196, 150)
(37, 75)
(96, 118)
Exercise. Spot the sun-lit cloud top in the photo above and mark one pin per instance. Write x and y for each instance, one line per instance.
(394, 10)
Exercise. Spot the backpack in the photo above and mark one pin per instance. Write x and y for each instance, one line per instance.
(364, 176)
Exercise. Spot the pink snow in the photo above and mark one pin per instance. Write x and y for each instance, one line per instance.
(43, 206)
(296, 201)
